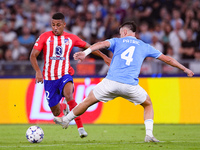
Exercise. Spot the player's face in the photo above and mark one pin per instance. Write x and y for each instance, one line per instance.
(58, 26)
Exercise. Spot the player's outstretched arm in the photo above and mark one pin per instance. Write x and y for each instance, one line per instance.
(33, 59)
(106, 59)
(171, 61)
(100, 45)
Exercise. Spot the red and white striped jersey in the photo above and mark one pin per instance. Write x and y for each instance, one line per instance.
(56, 50)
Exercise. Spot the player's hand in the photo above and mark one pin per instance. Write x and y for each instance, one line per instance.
(107, 60)
(79, 56)
(188, 72)
(38, 77)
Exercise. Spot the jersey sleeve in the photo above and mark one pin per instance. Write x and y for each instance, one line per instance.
(112, 44)
(39, 42)
(79, 42)
(152, 52)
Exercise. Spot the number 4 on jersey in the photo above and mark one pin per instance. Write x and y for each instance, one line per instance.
(128, 54)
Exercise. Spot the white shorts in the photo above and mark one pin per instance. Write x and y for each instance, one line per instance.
(107, 90)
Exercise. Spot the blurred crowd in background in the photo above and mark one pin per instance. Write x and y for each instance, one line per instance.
(171, 26)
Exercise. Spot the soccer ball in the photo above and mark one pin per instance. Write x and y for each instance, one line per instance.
(34, 134)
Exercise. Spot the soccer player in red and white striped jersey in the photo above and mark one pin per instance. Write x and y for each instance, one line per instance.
(57, 72)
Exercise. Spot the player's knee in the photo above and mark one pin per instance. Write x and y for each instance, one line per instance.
(68, 97)
(147, 102)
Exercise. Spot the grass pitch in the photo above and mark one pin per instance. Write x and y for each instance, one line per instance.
(102, 137)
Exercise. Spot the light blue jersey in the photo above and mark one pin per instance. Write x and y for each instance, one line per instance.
(128, 56)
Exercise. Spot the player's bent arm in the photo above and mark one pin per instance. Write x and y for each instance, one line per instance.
(33, 59)
(171, 61)
(97, 53)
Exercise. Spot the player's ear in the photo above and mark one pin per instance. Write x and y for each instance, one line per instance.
(64, 23)
(125, 31)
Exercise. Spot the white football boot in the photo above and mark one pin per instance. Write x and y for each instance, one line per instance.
(150, 139)
(59, 120)
(82, 132)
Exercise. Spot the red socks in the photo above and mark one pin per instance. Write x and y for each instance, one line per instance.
(72, 104)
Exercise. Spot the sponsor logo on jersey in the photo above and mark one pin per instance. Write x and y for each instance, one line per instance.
(59, 50)
(58, 53)
(57, 58)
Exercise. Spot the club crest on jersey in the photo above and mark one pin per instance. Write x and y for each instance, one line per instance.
(58, 50)
(66, 41)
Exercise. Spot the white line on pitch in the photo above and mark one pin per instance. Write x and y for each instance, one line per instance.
(36, 145)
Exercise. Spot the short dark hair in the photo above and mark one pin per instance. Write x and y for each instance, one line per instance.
(58, 16)
(130, 24)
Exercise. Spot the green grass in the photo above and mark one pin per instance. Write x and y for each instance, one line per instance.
(102, 137)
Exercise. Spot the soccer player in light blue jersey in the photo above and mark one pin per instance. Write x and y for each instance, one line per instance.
(122, 77)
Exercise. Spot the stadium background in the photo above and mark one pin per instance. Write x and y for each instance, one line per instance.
(175, 98)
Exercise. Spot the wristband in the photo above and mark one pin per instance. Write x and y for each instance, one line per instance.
(87, 51)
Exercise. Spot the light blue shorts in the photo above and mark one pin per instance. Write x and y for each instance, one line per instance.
(108, 90)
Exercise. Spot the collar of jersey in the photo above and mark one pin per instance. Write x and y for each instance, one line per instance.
(132, 37)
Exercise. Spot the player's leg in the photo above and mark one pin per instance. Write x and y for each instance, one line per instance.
(59, 110)
(148, 120)
(68, 93)
(99, 92)
(53, 97)
(77, 111)
(83, 106)
(56, 110)
(148, 109)
(138, 95)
